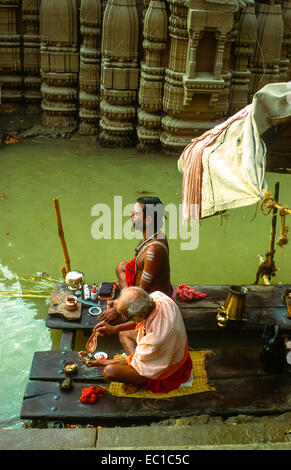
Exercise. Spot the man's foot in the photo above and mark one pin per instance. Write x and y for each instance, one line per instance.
(129, 388)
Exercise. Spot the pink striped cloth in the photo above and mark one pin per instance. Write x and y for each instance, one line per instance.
(191, 162)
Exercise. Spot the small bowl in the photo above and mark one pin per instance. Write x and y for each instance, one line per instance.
(71, 302)
(66, 385)
(100, 355)
(70, 368)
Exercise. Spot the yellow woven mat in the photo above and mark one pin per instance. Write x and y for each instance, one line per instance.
(199, 385)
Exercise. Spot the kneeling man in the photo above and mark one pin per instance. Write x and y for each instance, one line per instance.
(154, 339)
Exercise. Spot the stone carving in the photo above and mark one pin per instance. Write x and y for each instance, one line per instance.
(175, 121)
(266, 58)
(285, 65)
(11, 80)
(31, 55)
(152, 77)
(151, 73)
(244, 46)
(90, 57)
(59, 62)
(199, 74)
(119, 73)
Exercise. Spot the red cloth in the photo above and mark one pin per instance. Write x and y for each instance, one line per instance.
(130, 272)
(173, 381)
(186, 293)
(90, 394)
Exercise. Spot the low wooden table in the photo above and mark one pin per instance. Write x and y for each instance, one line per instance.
(264, 306)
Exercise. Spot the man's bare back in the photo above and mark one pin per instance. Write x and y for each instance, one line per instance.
(153, 267)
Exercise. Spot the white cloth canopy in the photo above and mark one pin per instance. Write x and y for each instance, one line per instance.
(234, 156)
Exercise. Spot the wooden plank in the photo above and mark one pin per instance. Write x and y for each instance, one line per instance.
(235, 362)
(68, 340)
(247, 395)
(57, 306)
(264, 306)
(49, 365)
(205, 320)
(260, 296)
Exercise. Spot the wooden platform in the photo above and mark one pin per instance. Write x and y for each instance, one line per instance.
(241, 384)
(264, 306)
(241, 387)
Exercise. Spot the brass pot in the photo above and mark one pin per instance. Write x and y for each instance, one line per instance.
(235, 303)
(234, 306)
(74, 280)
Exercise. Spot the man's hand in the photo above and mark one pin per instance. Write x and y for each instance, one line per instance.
(83, 355)
(103, 328)
(110, 314)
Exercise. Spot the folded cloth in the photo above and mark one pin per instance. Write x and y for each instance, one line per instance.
(186, 293)
(90, 394)
(190, 163)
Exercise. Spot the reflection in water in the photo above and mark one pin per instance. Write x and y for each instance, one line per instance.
(82, 175)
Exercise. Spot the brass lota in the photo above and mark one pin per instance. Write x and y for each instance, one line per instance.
(234, 306)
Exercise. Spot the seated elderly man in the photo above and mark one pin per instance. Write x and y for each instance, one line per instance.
(155, 341)
(150, 267)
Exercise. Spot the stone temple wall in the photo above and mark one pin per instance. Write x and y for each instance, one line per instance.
(145, 73)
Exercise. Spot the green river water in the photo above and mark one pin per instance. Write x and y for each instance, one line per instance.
(82, 175)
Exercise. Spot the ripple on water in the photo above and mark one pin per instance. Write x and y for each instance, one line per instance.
(21, 334)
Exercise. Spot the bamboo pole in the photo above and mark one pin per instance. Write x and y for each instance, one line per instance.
(61, 235)
(270, 254)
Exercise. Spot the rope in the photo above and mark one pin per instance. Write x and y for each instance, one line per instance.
(267, 202)
(267, 267)
(284, 236)
(270, 204)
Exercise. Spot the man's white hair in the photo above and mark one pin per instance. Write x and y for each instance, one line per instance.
(135, 300)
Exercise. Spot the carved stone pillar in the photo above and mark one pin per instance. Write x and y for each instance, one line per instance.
(11, 80)
(119, 73)
(266, 59)
(59, 62)
(152, 77)
(243, 50)
(31, 55)
(90, 57)
(174, 122)
(285, 63)
(196, 78)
